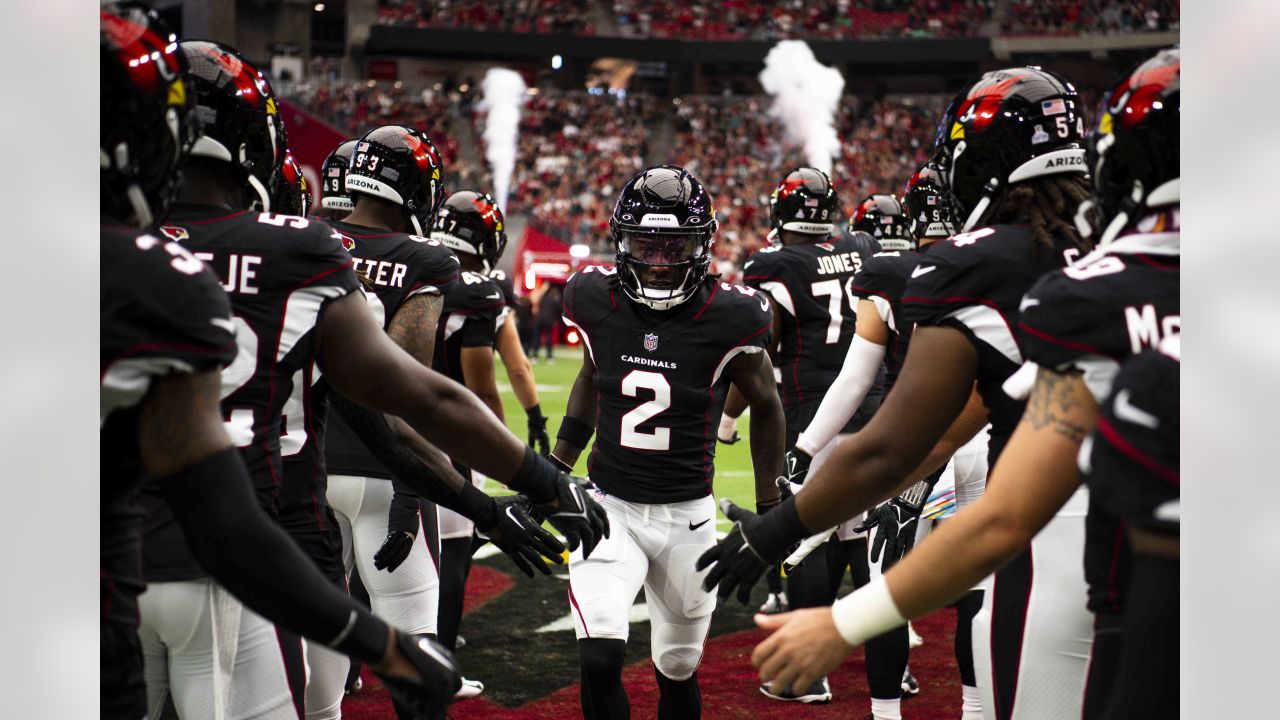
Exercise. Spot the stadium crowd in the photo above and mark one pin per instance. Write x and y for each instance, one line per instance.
(744, 19)
(541, 16)
(1073, 17)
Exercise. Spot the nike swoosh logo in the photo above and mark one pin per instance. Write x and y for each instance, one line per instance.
(1028, 302)
(225, 324)
(923, 270)
(1131, 413)
(695, 527)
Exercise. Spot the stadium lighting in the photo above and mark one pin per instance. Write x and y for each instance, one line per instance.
(579, 251)
(319, 7)
(556, 62)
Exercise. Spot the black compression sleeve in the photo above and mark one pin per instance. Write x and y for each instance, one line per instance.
(234, 540)
(536, 478)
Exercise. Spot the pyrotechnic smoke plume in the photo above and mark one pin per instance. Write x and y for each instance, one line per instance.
(504, 93)
(806, 94)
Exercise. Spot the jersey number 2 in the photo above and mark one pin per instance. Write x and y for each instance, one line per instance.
(659, 438)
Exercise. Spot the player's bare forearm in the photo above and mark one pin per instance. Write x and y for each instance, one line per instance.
(180, 423)
(1033, 479)
(583, 398)
(752, 374)
(414, 326)
(415, 462)
(734, 403)
(369, 369)
(519, 372)
(480, 377)
(871, 465)
(970, 422)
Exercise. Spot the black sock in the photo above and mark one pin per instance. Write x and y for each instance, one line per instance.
(455, 565)
(678, 699)
(807, 583)
(886, 661)
(966, 607)
(603, 697)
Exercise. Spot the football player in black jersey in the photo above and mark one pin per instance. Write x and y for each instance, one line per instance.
(805, 277)
(1009, 153)
(882, 339)
(471, 224)
(335, 201)
(288, 277)
(662, 343)
(1131, 464)
(160, 412)
(1075, 325)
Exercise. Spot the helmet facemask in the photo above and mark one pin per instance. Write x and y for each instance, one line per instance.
(662, 270)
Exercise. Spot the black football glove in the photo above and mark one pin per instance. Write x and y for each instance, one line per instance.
(538, 438)
(731, 440)
(402, 532)
(438, 678)
(895, 525)
(797, 466)
(521, 537)
(755, 542)
(576, 514)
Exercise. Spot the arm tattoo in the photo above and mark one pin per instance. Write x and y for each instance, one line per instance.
(414, 326)
(1054, 401)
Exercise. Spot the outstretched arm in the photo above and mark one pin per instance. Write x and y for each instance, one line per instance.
(519, 372)
(362, 363)
(935, 383)
(850, 388)
(1034, 477)
(183, 444)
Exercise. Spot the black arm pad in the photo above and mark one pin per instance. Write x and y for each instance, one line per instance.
(537, 478)
(232, 537)
(575, 432)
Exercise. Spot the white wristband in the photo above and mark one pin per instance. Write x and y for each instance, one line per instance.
(866, 613)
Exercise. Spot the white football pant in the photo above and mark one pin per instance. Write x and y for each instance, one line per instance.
(654, 547)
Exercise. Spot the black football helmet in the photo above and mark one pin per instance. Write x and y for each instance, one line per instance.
(238, 113)
(928, 211)
(1133, 152)
(883, 218)
(333, 182)
(147, 123)
(663, 230)
(470, 221)
(1005, 127)
(804, 202)
(290, 194)
(400, 165)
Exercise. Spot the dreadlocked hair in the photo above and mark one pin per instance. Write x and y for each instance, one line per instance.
(1048, 204)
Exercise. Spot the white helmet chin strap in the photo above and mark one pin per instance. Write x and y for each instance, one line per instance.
(417, 225)
(263, 195)
(981, 207)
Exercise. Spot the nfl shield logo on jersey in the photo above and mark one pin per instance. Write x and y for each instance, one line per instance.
(650, 342)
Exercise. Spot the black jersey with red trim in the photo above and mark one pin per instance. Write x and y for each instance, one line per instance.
(1090, 317)
(1133, 467)
(507, 287)
(162, 313)
(661, 383)
(399, 266)
(974, 282)
(809, 284)
(1108, 306)
(279, 272)
(473, 308)
(883, 280)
